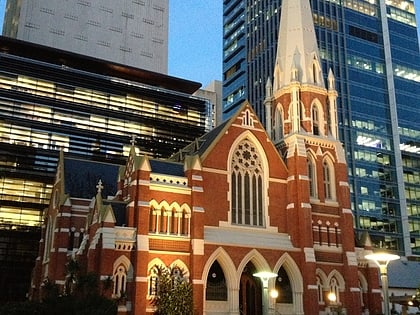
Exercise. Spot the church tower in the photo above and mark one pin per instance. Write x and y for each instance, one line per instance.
(303, 126)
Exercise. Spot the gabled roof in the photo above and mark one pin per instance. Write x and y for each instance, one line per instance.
(82, 176)
(119, 209)
(167, 167)
(200, 145)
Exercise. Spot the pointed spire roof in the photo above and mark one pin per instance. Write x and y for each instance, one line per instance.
(297, 48)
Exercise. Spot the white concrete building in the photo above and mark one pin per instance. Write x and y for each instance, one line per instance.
(130, 32)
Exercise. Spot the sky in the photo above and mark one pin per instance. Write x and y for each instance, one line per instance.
(195, 39)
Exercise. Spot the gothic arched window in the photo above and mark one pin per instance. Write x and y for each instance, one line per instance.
(320, 290)
(315, 120)
(334, 288)
(278, 125)
(247, 186)
(153, 281)
(120, 281)
(328, 180)
(312, 177)
(216, 289)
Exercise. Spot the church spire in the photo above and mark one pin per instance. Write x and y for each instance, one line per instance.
(297, 50)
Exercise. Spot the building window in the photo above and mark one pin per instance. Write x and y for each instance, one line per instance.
(247, 186)
(71, 238)
(312, 177)
(216, 289)
(169, 220)
(328, 180)
(278, 125)
(315, 120)
(153, 281)
(247, 119)
(284, 287)
(334, 288)
(120, 281)
(320, 291)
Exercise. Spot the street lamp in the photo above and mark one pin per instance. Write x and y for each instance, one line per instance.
(265, 276)
(382, 260)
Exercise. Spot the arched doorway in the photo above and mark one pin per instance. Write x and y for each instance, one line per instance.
(250, 292)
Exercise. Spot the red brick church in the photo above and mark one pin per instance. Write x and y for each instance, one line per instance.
(240, 200)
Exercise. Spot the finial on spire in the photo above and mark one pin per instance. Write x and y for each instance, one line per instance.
(133, 139)
(99, 186)
(331, 80)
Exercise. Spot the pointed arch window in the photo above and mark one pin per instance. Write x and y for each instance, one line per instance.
(248, 120)
(278, 125)
(328, 180)
(315, 121)
(120, 281)
(284, 287)
(335, 288)
(247, 186)
(312, 177)
(216, 289)
(320, 290)
(153, 281)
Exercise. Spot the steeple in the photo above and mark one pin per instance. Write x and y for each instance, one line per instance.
(297, 57)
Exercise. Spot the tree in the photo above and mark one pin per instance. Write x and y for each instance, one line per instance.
(174, 292)
(80, 296)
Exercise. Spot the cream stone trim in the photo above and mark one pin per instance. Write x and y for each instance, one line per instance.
(309, 254)
(197, 246)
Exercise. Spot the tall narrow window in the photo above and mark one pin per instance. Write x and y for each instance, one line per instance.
(312, 177)
(315, 120)
(334, 288)
(216, 289)
(120, 281)
(314, 73)
(320, 291)
(247, 198)
(153, 281)
(278, 125)
(327, 181)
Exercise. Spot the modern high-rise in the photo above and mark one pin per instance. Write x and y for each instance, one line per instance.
(52, 100)
(130, 32)
(373, 50)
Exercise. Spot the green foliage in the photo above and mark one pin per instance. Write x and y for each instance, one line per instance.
(81, 297)
(174, 296)
(65, 305)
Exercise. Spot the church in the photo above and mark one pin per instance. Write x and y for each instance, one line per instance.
(243, 211)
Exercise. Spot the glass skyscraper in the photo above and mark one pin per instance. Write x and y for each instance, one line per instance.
(372, 47)
(52, 100)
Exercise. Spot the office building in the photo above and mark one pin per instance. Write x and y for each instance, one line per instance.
(134, 33)
(372, 49)
(52, 100)
(213, 93)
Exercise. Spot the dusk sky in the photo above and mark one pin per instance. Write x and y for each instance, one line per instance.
(195, 38)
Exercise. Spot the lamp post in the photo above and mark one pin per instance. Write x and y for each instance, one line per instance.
(382, 260)
(265, 276)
